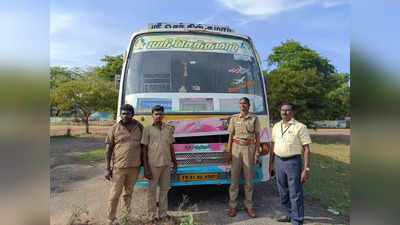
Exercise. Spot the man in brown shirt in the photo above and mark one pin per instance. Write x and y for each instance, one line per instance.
(157, 156)
(123, 146)
(243, 144)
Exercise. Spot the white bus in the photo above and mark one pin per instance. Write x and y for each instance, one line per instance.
(198, 73)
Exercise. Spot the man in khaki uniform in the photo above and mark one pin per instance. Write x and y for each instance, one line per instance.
(157, 156)
(123, 145)
(290, 138)
(243, 144)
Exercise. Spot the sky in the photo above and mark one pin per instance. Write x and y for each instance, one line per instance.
(83, 32)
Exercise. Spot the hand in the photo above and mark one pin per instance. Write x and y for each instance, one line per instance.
(271, 170)
(229, 157)
(147, 174)
(108, 174)
(256, 160)
(304, 176)
(175, 168)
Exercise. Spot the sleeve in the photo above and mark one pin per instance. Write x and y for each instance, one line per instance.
(257, 126)
(273, 133)
(304, 136)
(172, 139)
(110, 136)
(145, 136)
(231, 127)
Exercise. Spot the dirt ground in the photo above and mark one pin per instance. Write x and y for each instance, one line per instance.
(102, 130)
(77, 183)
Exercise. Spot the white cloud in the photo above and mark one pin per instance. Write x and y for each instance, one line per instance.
(264, 8)
(333, 3)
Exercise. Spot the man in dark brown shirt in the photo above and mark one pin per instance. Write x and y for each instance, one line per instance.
(123, 145)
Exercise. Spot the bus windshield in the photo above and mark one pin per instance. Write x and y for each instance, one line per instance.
(192, 73)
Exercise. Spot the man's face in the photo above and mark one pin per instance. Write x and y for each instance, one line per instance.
(126, 116)
(287, 112)
(244, 106)
(157, 116)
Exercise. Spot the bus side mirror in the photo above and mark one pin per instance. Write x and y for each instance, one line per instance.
(117, 80)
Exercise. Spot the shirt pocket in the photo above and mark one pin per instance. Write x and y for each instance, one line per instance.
(250, 126)
(291, 138)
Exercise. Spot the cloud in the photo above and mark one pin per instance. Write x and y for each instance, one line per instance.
(264, 8)
(333, 3)
(261, 9)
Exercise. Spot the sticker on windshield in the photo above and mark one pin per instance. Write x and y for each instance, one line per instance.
(192, 42)
(239, 70)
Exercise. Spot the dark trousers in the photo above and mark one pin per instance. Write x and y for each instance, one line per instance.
(288, 173)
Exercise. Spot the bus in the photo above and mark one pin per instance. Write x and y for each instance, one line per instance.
(198, 73)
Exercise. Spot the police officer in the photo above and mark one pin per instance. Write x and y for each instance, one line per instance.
(123, 145)
(290, 138)
(157, 156)
(243, 145)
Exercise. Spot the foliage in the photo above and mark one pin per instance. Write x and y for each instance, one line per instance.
(85, 95)
(189, 220)
(303, 88)
(112, 67)
(63, 74)
(293, 56)
(76, 212)
(308, 80)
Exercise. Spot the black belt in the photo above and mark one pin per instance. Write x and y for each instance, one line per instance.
(290, 157)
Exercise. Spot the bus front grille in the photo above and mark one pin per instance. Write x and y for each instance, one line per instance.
(201, 158)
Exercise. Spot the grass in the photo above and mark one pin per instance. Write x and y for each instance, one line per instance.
(330, 174)
(95, 155)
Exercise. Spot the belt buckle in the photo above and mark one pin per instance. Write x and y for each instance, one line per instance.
(242, 143)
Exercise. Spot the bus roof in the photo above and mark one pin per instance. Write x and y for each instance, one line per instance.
(189, 28)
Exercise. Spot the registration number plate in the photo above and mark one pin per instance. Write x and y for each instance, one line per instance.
(198, 177)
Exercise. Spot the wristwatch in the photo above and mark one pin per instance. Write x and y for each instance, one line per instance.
(308, 169)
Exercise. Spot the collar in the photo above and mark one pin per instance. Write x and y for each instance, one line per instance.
(132, 121)
(162, 124)
(292, 121)
(241, 116)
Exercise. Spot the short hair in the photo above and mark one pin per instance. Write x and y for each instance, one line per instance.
(246, 99)
(128, 107)
(157, 108)
(289, 103)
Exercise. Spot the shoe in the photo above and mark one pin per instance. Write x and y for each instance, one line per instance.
(232, 212)
(251, 213)
(110, 222)
(284, 219)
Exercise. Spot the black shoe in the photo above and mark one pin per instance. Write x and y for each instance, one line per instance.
(284, 219)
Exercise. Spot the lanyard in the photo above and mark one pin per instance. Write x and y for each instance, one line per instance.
(283, 132)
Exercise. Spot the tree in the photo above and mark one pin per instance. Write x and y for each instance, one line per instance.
(302, 76)
(293, 56)
(338, 97)
(85, 95)
(303, 88)
(63, 74)
(112, 67)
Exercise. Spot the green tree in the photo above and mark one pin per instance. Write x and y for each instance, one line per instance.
(85, 95)
(63, 74)
(303, 88)
(112, 67)
(305, 78)
(338, 97)
(293, 56)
